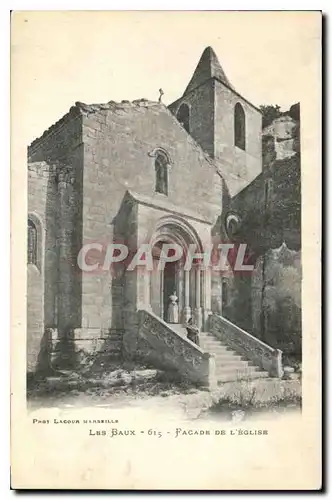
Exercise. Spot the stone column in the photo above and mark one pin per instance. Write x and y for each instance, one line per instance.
(180, 291)
(276, 367)
(198, 297)
(162, 294)
(65, 263)
(206, 296)
(186, 309)
(147, 289)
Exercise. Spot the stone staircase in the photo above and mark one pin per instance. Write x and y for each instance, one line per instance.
(229, 365)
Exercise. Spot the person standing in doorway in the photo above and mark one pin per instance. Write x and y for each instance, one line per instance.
(173, 309)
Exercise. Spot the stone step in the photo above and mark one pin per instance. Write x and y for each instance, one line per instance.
(233, 375)
(231, 357)
(228, 356)
(234, 378)
(218, 349)
(211, 341)
(211, 347)
(236, 367)
(233, 364)
(207, 335)
(229, 365)
(209, 338)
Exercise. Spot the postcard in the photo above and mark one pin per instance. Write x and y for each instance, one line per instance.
(165, 256)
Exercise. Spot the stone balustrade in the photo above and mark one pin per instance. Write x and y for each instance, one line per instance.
(254, 349)
(167, 349)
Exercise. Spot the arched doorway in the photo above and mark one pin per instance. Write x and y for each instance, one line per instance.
(191, 286)
(166, 282)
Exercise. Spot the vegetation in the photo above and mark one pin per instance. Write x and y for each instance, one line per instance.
(270, 113)
(117, 383)
(251, 396)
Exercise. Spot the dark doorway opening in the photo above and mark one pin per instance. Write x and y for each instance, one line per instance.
(169, 285)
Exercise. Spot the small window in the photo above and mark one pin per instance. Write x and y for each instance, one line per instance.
(161, 167)
(183, 116)
(32, 243)
(239, 127)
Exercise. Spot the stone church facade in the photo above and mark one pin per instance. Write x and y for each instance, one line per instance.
(135, 173)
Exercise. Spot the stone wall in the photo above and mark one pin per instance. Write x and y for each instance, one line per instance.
(61, 147)
(285, 134)
(96, 154)
(238, 167)
(119, 145)
(54, 193)
(269, 210)
(211, 106)
(202, 114)
(41, 278)
(276, 291)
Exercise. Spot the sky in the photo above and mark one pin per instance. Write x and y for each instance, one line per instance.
(60, 57)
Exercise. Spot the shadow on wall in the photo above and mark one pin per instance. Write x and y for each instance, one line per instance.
(237, 306)
(276, 299)
(267, 302)
(52, 357)
(41, 366)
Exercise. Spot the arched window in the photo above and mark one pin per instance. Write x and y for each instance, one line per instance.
(161, 167)
(183, 116)
(32, 243)
(239, 127)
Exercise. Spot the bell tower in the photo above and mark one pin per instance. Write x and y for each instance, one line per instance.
(225, 124)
